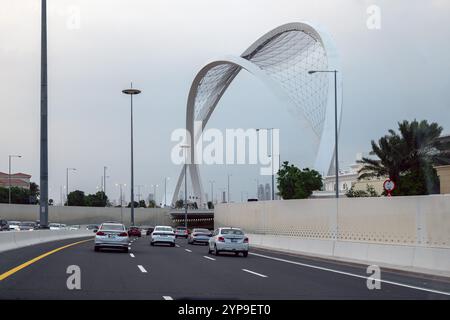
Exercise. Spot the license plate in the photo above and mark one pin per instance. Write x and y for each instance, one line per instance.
(234, 240)
(111, 236)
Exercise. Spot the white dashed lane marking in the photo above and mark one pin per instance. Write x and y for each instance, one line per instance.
(206, 257)
(167, 298)
(255, 273)
(188, 250)
(142, 269)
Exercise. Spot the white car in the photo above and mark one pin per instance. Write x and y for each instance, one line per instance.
(112, 236)
(55, 226)
(163, 234)
(14, 225)
(228, 239)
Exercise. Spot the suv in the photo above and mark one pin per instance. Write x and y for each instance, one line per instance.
(4, 225)
(181, 232)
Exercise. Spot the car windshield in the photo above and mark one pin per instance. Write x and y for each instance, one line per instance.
(116, 227)
(167, 229)
(232, 232)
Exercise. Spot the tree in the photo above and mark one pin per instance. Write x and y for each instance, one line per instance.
(76, 198)
(152, 204)
(20, 195)
(136, 204)
(99, 199)
(142, 204)
(407, 158)
(179, 204)
(210, 205)
(294, 183)
(369, 192)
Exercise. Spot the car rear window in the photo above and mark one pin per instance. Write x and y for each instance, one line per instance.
(201, 230)
(232, 231)
(164, 229)
(117, 227)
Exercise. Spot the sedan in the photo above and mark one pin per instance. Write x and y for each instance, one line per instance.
(181, 232)
(27, 226)
(113, 236)
(163, 234)
(228, 240)
(199, 236)
(14, 225)
(134, 231)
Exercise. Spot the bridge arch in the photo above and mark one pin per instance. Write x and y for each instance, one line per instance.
(281, 60)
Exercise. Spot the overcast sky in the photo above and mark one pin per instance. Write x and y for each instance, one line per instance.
(400, 71)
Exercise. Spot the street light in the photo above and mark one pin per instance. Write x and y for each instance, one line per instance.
(212, 190)
(132, 92)
(165, 190)
(154, 192)
(336, 156)
(121, 200)
(228, 186)
(67, 182)
(185, 147)
(9, 177)
(271, 155)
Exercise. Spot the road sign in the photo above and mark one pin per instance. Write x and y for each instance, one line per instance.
(389, 186)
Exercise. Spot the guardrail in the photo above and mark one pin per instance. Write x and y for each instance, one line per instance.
(10, 240)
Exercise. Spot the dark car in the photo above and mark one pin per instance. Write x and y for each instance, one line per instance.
(134, 231)
(199, 235)
(27, 226)
(4, 225)
(150, 230)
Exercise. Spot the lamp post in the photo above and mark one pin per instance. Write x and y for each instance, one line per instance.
(132, 92)
(43, 199)
(67, 183)
(9, 176)
(121, 200)
(185, 147)
(104, 179)
(228, 187)
(272, 159)
(336, 154)
(165, 190)
(154, 193)
(212, 190)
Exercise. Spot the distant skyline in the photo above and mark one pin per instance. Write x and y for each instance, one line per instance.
(400, 71)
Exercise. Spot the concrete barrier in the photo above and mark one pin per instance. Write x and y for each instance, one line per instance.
(10, 240)
(411, 233)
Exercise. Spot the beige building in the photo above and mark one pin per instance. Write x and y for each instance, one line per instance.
(349, 178)
(443, 173)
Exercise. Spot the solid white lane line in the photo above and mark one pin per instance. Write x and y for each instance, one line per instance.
(131, 255)
(167, 298)
(352, 274)
(142, 269)
(206, 257)
(188, 250)
(255, 273)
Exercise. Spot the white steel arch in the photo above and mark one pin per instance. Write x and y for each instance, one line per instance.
(280, 59)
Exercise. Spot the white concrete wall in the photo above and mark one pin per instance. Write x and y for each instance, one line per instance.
(17, 239)
(409, 232)
(86, 215)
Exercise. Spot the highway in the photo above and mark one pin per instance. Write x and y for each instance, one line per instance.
(189, 272)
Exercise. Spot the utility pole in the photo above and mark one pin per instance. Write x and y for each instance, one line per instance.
(43, 200)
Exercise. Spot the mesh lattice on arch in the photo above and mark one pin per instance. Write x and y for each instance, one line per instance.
(286, 58)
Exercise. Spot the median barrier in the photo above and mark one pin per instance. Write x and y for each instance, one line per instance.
(17, 239)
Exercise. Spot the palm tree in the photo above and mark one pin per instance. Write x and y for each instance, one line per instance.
(412, 153)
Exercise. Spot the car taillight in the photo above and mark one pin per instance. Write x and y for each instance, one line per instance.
(221, 239)
(123, 234)
(100, 233)
(246, 240)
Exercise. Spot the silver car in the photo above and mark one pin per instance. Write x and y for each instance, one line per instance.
(112, 235)
(228, 240)
(199, 236)
(163, 234)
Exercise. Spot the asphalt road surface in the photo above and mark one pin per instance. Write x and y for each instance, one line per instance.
(189, 272)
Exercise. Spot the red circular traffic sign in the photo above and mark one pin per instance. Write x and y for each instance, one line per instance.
(389, 186)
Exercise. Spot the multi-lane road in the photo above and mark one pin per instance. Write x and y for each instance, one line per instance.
(189, 272)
